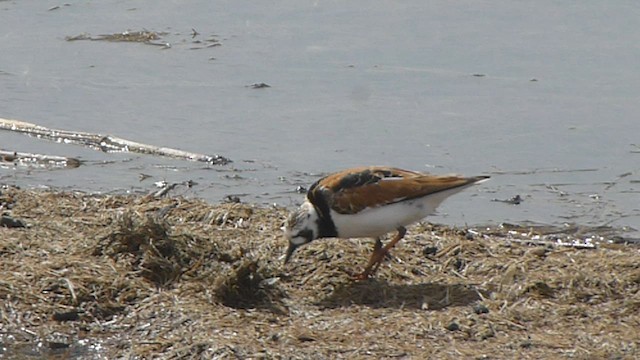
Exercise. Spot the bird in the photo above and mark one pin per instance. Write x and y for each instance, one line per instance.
(369, 202)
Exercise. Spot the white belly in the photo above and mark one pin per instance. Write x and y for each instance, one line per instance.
(374, 222)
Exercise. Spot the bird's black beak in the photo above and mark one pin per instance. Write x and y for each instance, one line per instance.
(292, 247)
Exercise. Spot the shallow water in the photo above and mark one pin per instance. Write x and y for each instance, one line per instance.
(542, 96)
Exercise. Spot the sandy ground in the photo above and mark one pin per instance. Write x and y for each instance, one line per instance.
(85, 276)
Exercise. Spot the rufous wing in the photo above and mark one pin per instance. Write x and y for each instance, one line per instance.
(353, 190)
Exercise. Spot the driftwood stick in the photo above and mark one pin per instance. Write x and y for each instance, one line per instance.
(105, 143)
(30, 159)
(577, 244)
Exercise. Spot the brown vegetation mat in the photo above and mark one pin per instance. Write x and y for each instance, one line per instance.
(139, 277)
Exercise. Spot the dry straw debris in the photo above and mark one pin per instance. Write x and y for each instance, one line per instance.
(91, 276)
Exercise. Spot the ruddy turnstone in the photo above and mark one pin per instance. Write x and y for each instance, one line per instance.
(369, 202)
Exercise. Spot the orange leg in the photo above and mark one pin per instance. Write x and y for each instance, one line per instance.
(379, 253)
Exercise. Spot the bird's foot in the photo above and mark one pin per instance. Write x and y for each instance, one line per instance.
(360, 277)
(374, 263)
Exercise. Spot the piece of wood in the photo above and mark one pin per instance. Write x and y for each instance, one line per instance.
(105, 143)
(29, 159)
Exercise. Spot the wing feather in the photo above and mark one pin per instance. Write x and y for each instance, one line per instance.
(350, 191)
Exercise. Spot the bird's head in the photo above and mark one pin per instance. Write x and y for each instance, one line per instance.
(301, 228)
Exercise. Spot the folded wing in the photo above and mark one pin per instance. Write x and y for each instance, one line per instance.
(353, 190)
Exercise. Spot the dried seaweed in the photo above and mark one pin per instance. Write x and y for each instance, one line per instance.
(144, 36)
(144, 277)
(247, 286)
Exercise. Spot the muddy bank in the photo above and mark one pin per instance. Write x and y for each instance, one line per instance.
(86, 276)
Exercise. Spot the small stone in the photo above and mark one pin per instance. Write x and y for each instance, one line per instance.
(429, 250)
(459, 264)
(453, 326)
(66, 316)
(480, 309)
(9, 222)
(231, 199)
(57, 345)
